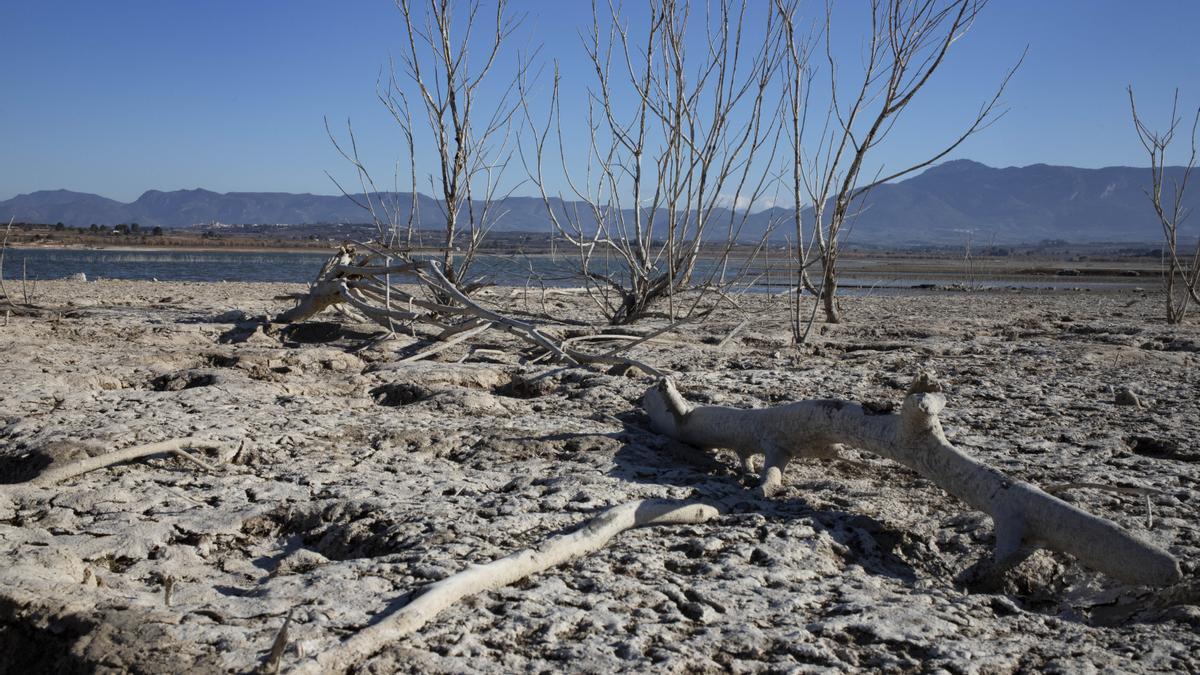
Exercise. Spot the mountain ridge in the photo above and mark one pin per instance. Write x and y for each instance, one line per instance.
(947, 203)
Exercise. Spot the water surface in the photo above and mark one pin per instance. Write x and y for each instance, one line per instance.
(504, 270)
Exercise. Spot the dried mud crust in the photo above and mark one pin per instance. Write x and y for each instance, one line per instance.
(348, 480)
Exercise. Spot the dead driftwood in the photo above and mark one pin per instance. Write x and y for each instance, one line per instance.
(365, 283)
(1024, 517)
(499, 573)
(177, 447)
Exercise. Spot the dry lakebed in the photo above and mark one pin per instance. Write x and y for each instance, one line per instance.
(342, 481)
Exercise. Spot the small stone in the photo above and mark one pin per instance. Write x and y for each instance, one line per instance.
(697, 612)
(761, 558)
(1126, 396)
(1003, 606)
(300, 561)
(626, 370)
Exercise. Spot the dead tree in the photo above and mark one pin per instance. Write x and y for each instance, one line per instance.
(447, 55)
(385, 209)
(1024, 517)
(1182, 277)
(678, 149)
(472, 144)
(908, 41)
(3, 250)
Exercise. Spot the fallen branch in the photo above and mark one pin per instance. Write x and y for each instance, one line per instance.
(1024, 517)
(322, 295)
(665, 329)
(349, 281)
(176, 447)
(600, 337)
(609, 360)
(446, 344)
(729, 337)
(432, 274)
(274, 657)
(365, 287)
(499, 573)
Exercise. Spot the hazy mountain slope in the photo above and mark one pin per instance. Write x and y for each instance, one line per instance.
(945, 204)
(63, 206)
(1017, 204)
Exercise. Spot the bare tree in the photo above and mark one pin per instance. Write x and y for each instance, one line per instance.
(1170, 210)
(472, 135)
(678, 151)
(908, 41)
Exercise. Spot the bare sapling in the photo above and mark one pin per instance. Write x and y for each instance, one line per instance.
(3, 250)
(472, 136)
(449, 52)
(28, 291)
(906, 44)
(1181, 275)
(678, 149)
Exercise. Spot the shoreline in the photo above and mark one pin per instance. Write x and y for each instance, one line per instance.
(169, 248)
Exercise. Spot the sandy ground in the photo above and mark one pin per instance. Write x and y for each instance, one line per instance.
(347, 480)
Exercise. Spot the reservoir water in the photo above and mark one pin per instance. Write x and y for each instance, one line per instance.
(504, 270)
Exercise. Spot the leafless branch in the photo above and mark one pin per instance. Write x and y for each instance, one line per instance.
(678, 151)
(907, 43)
(1171, 212)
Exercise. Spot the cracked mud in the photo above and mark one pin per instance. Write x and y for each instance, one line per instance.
(346, 481)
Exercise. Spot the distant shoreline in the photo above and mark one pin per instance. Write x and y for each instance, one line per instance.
(170, 248)
(897, 270)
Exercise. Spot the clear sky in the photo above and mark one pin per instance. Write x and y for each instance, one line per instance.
(116, 98)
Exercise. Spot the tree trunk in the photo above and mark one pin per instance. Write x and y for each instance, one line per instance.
(829, 293)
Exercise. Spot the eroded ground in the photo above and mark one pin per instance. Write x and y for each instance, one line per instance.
(348, 480)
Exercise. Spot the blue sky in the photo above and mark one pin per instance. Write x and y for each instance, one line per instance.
(120, 97)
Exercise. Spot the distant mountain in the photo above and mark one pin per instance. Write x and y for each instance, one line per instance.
(63, 206)
(945, 204)
(1014, 204)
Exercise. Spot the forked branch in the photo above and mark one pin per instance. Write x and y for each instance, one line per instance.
(1025, 518)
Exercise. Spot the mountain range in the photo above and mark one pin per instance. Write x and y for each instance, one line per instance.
(945, 204)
